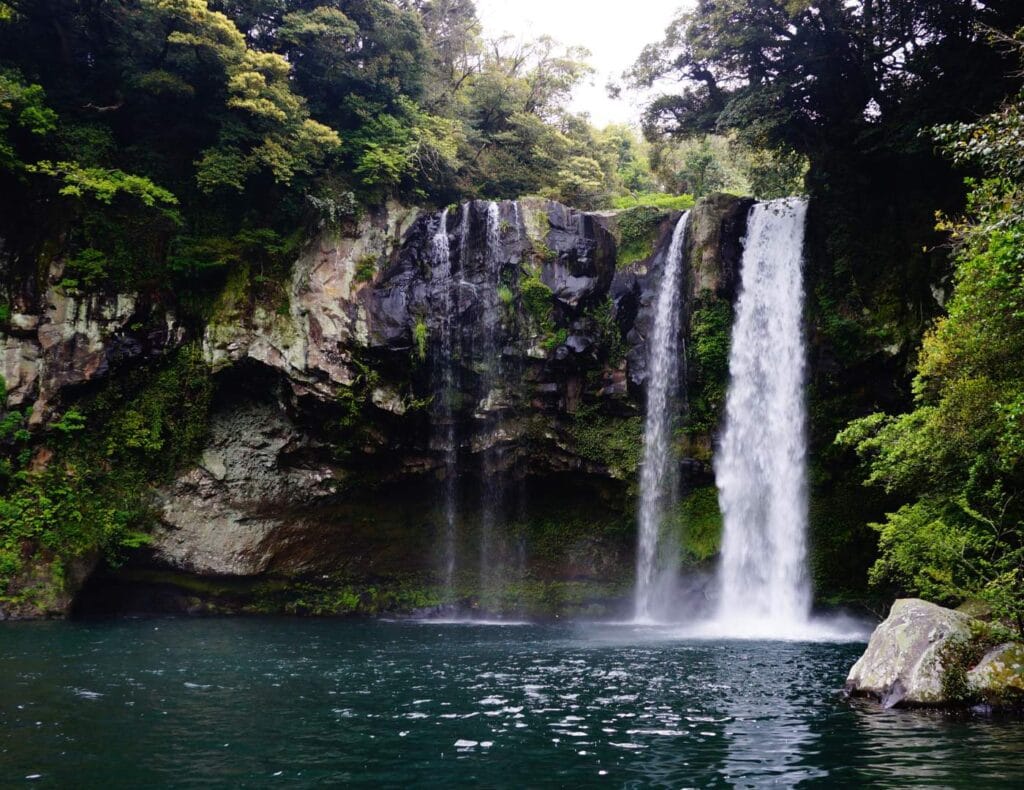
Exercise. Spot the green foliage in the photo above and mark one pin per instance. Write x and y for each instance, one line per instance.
(708, 351)
(608, 332)
(638, 231)
(537, 300)
(366, 268)
(92, 494)
(22, 108)
(270, 127)
(956, 458)
(408, 147)
(658, 200)
(555, 339)
(105, 185)
(87, 269)
(420, 336)
(208, 118)
(610, 441)
(699, 522)
(786, 74)
(344, 596)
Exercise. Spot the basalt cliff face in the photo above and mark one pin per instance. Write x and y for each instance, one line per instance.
(472, 376)
(518, 326)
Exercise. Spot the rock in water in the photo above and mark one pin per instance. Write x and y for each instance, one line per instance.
(903, 662)
(999, 676)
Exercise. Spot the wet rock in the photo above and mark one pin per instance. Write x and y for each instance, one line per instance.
(718, 224)
(583, 263)
(999, 677)
(903, 661)
(220, 517)
(78, 339)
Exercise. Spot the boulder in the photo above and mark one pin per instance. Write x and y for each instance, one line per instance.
(999, 676)
(903, 662)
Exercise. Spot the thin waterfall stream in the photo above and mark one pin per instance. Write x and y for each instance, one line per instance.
(492, 480)
(443, 386)
(655, 573)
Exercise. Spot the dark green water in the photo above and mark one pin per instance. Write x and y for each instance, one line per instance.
(267, 703)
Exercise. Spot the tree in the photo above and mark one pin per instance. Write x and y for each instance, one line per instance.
(820, 75)
(958, 457)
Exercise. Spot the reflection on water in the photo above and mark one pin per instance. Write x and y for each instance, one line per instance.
(225, 703)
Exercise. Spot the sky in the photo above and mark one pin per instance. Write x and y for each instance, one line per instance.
(614, 32)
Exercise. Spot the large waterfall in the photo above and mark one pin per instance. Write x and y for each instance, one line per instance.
(658, 476)
(761, 464)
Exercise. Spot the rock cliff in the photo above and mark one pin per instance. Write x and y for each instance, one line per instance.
(518, 324)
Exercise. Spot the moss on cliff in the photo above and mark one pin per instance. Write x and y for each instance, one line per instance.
(611, 441)
(708, 357)
(81, 486)
(637, 230)
(700, 525)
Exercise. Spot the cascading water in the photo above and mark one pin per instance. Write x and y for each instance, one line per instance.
(658, 474)
(443, 385)
(761, 464)
(492, 489)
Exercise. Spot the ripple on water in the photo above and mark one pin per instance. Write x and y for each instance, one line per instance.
(392, 703)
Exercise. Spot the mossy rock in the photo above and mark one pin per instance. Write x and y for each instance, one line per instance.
(998, 678)
(637, 233)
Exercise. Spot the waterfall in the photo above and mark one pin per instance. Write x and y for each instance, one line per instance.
(443, 385)
(659, 472)
(761, 464)
(492, 488)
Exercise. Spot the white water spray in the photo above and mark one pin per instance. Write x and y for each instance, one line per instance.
(658, 473)
(761, 464)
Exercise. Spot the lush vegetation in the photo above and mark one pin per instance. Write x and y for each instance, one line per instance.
(849, 95)
(958, 457)
(192, 147)
(166, 141)
(81, 490)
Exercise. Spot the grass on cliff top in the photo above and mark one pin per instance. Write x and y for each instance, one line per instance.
(655, 200)
(637, 231)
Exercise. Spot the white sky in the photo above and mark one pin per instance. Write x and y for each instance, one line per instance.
(613, 30)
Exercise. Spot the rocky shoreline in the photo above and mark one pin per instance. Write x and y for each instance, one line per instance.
(924, 655)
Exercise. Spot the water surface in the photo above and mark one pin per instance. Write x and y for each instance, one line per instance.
(275, 702)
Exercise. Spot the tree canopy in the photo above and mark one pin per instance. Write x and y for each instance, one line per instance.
(957, 458)
(816, 75)
(161, 137)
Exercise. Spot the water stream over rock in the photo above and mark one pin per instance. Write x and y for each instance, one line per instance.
(761, 463)
(655, 566)
(443, 389)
